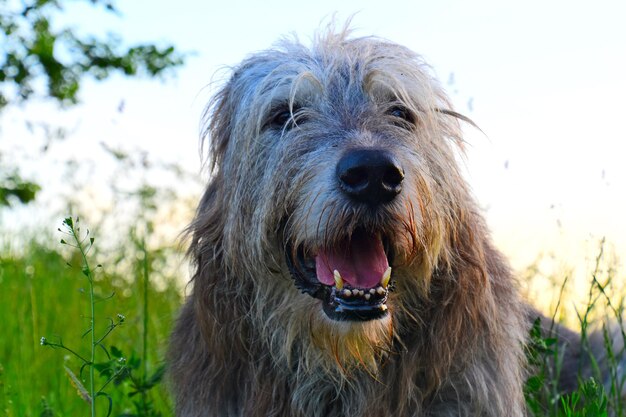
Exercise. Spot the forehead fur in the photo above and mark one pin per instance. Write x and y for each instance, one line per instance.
(338, 68)
(335, 70)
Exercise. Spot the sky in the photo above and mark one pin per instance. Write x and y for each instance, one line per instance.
(544, 80)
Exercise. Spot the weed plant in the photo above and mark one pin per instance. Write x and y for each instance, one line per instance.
(45, 301)
(601, 388)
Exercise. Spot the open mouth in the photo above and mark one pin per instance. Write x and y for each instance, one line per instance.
(352, 278)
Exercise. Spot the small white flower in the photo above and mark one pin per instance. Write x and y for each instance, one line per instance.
(43, 341)
(122, 360)
(121, 317)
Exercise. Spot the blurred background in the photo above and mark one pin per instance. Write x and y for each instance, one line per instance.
(543, 80)
(101, 103)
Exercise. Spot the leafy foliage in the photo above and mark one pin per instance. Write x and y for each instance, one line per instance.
(34, 50)
(14, 188)
(541, 390)
(540, 387)
(38, 60)
(130, 372)
(588, 401)
(592, 398)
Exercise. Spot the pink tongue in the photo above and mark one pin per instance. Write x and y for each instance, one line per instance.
(361, 262)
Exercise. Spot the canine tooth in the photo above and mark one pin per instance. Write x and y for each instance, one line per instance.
(338, 280)
(347, 293)
(386, 277)
(355, 292)
(383, 307)
(368, 296)
(380, 290)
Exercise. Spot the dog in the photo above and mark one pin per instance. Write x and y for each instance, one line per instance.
(342, 265)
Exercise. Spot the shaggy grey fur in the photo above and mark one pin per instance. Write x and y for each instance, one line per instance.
(248, 342)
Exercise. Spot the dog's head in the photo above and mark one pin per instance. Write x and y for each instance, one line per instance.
(335, 189)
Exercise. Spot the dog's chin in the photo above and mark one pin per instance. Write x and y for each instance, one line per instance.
(317, 273)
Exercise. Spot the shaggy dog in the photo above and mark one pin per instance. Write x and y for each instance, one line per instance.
(343, 268)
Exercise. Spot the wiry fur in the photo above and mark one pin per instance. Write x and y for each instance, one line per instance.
(248, 343)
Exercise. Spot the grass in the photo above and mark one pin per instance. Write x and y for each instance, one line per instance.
(40, 295)
(601, 389)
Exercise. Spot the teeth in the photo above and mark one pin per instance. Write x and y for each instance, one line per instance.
(386, 277)
(383, 307)
(338, 280)
(365, 293)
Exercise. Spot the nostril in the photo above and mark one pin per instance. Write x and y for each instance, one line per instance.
(393, 176)
(355, 177)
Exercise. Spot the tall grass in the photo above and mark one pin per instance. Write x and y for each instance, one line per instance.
(40, 295)
(602, 375)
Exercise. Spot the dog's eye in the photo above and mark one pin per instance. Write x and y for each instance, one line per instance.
(402, 113)
(282, 118)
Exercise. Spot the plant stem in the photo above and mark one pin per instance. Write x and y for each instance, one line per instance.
(146, 280)
(87, 272)
(93, 346)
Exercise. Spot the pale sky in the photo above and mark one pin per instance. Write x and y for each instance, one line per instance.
(543, 79)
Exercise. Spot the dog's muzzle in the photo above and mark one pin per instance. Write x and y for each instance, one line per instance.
(352, 276)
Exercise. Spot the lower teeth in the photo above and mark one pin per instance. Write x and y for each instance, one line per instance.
(366, 294)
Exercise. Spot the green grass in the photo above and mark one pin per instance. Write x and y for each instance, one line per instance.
(40, 295)
(600, 392)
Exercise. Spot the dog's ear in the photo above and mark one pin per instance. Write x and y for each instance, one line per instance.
(462, 299)
(467, 284)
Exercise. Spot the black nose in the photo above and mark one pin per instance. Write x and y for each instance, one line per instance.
(371, 176)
